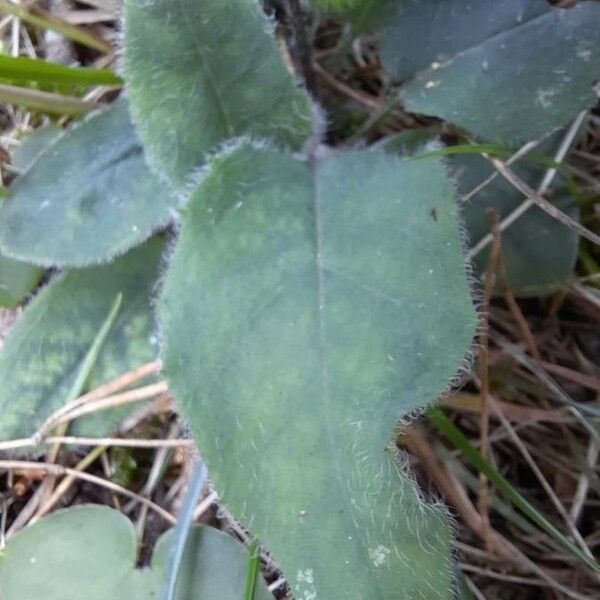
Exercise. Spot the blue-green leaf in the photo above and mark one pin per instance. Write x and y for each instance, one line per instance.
(507, 71)
(330, 300)
(88, 197)
(43, 354)
(202, 72)
(89, 552)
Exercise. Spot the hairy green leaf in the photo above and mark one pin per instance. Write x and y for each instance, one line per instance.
(508, 71)
(202, 72)
(17, 279)
(33, 145)
(42, 356)
(89, 552)
(88, 198)
(330, 301)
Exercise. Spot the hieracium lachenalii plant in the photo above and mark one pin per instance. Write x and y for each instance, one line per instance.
(303, 299)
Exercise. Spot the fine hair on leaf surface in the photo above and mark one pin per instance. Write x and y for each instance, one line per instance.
(273, 343)
(261, 246)
(104, 200)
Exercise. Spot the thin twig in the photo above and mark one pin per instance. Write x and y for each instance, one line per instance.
(540, 477)
(483, 500)
(66, 483)
(542, 188)
(525, 149)
(542, 203)
(515, 309)
(357, 95)
(71, 440)
(59, 470)
(76, 409)
(103, 391)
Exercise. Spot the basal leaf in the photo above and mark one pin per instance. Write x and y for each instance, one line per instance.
(33, 145)
(540, 252)
(200, 72)
(335, 4)
(507, 71)
(330, 300)
(89, 552)
(17, 279)
(43, 353)
(88, 197)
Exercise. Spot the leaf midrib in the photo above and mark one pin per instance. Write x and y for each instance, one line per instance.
(321, 269)
(219, 101)
(320, 308)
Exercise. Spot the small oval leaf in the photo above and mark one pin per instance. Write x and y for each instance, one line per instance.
(88, 197)
(89, 552)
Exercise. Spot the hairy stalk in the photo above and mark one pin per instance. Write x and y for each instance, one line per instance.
(300, 24)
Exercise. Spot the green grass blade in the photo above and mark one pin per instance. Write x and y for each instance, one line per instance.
(44, 102)
(502, 152)
(473, 482)
(493, 149)
(44, 20)
(477, 460)
(252, 572)
(24, 69)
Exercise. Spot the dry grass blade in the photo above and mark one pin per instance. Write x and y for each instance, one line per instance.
(558, 392)
(45, 20)
(78, 409)
(106, 389)
(44, 102)
(538, 473)
(455, 494)
(66, 483)
(542, 203)
(542, 188)
(59, 470)
(91, 441)
(514, 412)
